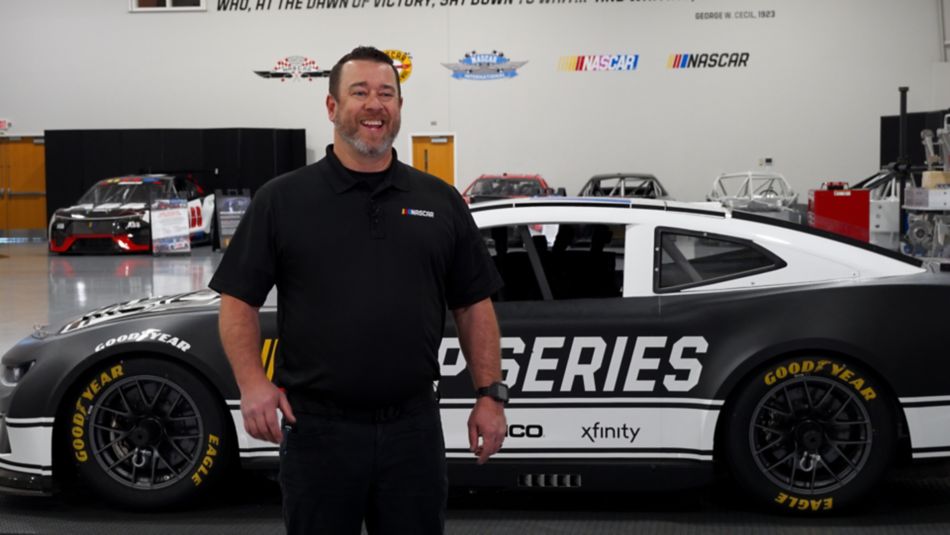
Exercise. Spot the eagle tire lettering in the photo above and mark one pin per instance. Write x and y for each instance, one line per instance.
(148, 433)
(809, 435)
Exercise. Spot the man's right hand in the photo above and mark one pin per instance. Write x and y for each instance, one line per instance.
(259, 404)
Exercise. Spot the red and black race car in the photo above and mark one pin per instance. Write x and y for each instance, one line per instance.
(114, 215)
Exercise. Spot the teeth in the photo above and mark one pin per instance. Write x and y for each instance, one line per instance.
(372, 123)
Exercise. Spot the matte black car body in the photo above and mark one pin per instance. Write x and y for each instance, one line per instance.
(650, 344)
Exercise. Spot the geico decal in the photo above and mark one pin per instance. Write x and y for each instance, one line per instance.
(828, 367)
(148, 335)
(548, 369)
(524, 431)
(805, 504)
(83, 404)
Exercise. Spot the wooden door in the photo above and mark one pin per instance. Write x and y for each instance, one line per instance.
(22, 186)
(435, 154)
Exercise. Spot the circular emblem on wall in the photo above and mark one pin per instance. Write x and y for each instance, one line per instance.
(403, 63)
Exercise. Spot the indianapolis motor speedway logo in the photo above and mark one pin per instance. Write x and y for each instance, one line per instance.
(484, 66)
(294, 68)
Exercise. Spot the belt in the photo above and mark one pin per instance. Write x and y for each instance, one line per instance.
(332, 409)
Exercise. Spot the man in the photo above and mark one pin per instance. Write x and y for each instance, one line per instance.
(366, 254)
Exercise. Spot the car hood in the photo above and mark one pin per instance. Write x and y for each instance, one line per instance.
(151, 305)
(93, 211)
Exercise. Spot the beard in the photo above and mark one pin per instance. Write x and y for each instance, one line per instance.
(349, 132)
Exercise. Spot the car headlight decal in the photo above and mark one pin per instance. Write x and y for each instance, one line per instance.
(11, 375)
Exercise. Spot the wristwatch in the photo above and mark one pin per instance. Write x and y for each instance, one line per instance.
(497, 391)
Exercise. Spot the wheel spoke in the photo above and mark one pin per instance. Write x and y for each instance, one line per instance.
(829, 470)
(807, 393)
(768, 446)
(158, 394)
(851, 442)
(782, 461)
(154, 465)
(138, 385)
(841, 408)
(120, 460)
(113, 411)
(109, 445)
(184, 455)
(843, 456)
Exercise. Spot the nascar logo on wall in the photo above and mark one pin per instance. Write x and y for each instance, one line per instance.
(599, 62)
(708, 60)
(478, 66)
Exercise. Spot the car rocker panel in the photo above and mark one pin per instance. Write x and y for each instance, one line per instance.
(795, 373)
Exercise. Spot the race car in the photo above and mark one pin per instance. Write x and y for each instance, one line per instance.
(642, 185)
(491, 187)
(652, 345)
(114, 215)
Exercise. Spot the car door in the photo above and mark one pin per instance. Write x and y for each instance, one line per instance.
(585, 364)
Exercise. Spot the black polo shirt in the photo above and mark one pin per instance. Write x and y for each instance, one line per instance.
(363, 277)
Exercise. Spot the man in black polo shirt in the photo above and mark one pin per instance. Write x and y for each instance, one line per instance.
(366, 254)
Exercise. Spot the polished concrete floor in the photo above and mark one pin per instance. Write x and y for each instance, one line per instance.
(39, 289)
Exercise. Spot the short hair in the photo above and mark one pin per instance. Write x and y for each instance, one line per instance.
(361, 53)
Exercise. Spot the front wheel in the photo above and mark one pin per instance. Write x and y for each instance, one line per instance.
(147, 433)
(810, 435)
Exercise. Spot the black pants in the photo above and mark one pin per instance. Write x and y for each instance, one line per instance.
(337, 471)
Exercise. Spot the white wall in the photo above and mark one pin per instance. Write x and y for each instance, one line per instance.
(820, 75)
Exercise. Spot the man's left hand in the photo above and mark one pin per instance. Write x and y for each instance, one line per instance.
(486, 422)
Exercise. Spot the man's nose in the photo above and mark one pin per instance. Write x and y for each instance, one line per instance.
(373, 102)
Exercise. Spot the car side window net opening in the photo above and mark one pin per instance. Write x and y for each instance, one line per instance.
(557, 261)
(687, 259)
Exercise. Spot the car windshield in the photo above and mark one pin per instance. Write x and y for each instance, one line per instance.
(506, 187)
(127, 191)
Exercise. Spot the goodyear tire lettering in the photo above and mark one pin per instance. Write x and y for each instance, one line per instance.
(84, 404)
(834, 369)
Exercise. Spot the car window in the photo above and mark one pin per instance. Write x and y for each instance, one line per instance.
(557, 261)
(687, 259)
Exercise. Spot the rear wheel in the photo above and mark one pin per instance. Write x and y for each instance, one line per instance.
(810, 435)
(147, 433)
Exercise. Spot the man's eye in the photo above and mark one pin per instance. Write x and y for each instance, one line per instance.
(359, 93)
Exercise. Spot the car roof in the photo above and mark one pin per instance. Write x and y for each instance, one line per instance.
(509, 175)
(623, 175)
(708, 209)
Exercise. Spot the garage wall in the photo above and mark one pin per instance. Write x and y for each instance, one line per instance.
(819, 76)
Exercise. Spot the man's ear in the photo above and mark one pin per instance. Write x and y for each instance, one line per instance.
(331, 107)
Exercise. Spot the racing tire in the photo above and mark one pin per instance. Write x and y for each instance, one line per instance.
(810, 435)
(147, 433)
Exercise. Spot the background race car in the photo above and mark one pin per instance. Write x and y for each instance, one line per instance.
(650, 345)
(114, 217)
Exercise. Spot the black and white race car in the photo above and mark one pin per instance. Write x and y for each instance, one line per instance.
(647, 344)
(114, 215)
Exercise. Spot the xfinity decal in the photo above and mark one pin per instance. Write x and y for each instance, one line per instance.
(484, 66)
(294, 68)
(148, 335)
(708, 61)
(403, 63)
(596, 432)
(583, 363)
(599, 62)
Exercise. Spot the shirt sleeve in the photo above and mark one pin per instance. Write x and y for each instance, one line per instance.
(248, 268)
(473, 276)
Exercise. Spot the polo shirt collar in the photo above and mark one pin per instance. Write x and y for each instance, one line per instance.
(342, 179)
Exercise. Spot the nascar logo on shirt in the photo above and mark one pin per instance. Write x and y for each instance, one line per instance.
(418, 213)
(599, 62)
